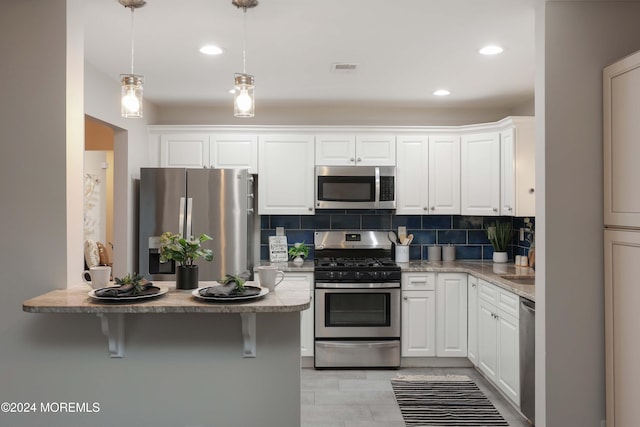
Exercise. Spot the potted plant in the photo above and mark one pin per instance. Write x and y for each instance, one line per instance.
(299, 251)
(184, 252)
(499, 234)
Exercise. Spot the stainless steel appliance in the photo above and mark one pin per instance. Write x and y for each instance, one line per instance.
(357, 300)
(527, 359)
(218, 202)
(355, 187)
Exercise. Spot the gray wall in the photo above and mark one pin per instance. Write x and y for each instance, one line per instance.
(179, 370)
(581, 39)
(346, 115)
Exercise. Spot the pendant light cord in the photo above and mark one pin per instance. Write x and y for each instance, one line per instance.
(244, 42)
(132, 50)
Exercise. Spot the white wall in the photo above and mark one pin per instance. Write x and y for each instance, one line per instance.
(102, 102)
(582, 37)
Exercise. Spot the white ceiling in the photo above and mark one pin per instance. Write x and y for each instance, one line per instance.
(404, 50)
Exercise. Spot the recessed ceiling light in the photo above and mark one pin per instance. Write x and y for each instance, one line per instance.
(442, 92)
(210, 49)
(491, 50)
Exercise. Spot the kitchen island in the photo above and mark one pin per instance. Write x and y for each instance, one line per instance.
(200, 351)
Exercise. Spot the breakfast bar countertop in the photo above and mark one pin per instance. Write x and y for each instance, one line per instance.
(287, 297)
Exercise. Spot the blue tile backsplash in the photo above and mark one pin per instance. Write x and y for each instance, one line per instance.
(466, 233)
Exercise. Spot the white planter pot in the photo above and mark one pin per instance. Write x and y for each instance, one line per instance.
(500, 257)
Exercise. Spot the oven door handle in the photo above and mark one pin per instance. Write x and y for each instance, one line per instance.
(342, 285)
(367, 344)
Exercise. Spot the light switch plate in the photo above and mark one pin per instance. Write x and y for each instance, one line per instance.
(279, 231)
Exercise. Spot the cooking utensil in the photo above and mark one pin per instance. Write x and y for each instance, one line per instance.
(393, 237)
(409, 239)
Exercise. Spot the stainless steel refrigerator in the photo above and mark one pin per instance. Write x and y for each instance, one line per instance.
(218, 202)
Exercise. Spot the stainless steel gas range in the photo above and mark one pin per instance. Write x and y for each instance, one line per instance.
(357, 300)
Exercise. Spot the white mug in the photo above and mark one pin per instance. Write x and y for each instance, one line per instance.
(99, 275)
(268, 275)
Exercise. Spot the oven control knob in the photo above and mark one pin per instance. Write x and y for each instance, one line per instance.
(358, 275)
(331, 274)
(374, 274)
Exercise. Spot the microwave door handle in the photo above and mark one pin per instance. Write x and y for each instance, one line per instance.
(377, 187)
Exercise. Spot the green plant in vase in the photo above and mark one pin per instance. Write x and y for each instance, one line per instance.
(299, 251)
(183, 251)
(499, 234)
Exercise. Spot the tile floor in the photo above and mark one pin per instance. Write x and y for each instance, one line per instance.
(364, 398)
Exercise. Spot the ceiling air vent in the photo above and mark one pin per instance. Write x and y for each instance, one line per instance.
(343, 66)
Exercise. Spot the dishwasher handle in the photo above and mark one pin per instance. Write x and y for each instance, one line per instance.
(529, 306)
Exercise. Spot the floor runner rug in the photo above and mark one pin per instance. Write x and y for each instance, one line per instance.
(436, 401)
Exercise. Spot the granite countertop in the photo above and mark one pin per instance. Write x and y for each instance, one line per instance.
(489, 271)
(287, 297)
(289, 267)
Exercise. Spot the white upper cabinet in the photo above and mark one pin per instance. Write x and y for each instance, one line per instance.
(428, 173)
(480, 174)
(444, 175)
(412, 174)
(517, 166)
(376, 150)
(353, 149)
(234, 151)
(184, 150)
(206, 150)
(621, 95)
(286, 175)
(336, 150)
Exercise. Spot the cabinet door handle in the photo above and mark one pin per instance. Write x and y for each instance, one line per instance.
(433, 208)
(359, 159)
(424, 208)
(352, 159)
(405, 298)
(310, 209)
(495, 209)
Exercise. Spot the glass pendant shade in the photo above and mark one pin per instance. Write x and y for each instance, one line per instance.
(244, 101)
(131, 92)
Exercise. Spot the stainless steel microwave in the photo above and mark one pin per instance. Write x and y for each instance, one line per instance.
(355, 187)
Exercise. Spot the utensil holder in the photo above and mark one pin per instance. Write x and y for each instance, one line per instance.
(402, 253)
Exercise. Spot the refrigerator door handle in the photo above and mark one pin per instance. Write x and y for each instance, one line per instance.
(181, 216)
(189, 217)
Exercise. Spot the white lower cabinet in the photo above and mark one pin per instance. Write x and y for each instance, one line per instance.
(306, 316)
(418, 321)
(472, 319)
(451, 315)
(418, 336)
(434, 314)
(498, 338)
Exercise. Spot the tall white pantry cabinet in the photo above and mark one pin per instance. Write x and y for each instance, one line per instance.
(621, 87)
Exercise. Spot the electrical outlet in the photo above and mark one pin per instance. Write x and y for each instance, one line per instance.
(279, 231)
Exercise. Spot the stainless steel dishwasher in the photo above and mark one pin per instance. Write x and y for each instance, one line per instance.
(528, 358)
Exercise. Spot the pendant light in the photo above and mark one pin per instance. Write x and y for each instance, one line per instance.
(131, 91)
(244, 100)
